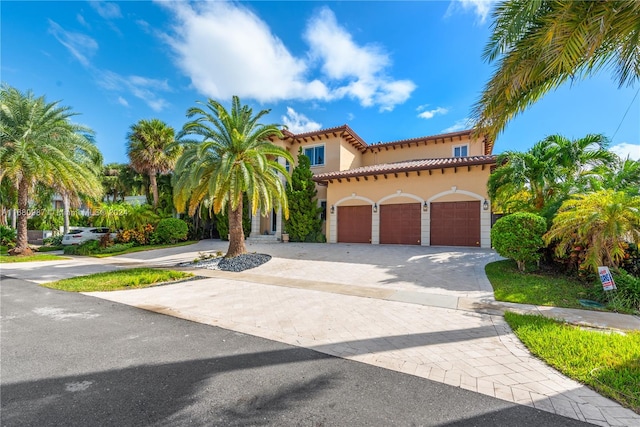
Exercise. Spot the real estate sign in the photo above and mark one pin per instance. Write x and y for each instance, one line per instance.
(606, 278)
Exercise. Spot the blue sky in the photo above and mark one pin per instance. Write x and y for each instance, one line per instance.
(390, 70)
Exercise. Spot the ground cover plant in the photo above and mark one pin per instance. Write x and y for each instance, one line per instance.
(93, 248)
(118, 280)
(608, 362)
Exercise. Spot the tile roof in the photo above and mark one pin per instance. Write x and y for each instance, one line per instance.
(408, 166)
(345, 131)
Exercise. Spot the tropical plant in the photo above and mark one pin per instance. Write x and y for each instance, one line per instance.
(151, 150)
(539, 45)
(222, 220)
(304, 223)
(40, 145)
(539, 179)
(519, 236)
(601, 223)
(170, 230)
(7, 235)
(622, 175)
(234, 157)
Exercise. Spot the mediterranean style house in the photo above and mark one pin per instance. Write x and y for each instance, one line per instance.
(421, 191)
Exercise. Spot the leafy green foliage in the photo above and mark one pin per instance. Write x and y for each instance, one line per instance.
(519, 236)
(627, 294)
(607, 362)
(304, 223)
(7, 235)
(539, 45)
(170, 230)
(87, 248)
(600, 222)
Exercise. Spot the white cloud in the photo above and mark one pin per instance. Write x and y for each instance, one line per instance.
(625, 149)
(299, 123)
(462, 124)
(80, 45)
(481, 8)
(227, 50)
(350, 116)
(429, 114)
(363, 66)
(82, 21)
(106, 9)
(123, 102)
(141, 87)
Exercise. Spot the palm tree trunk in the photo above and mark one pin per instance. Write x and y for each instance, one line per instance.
(236, 233)
(23, 207)
(154, 187)
(65, 207)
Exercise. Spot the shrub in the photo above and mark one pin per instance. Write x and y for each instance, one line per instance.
(118, 247)
(519, 236)
(7, 235)
(304, 223)
(627, 294)
(140, 236)
(631, 261)
(170, 230)
(87, 248)
(53, 240)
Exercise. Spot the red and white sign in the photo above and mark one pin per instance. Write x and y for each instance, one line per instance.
(606, 278)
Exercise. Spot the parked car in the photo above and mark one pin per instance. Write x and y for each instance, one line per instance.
(79, 235)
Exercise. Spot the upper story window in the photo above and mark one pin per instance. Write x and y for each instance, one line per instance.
(461, 151)
(315, 154)
(287, 166)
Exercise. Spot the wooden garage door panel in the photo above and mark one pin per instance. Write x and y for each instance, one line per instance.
(400, 224)
(354, 224)
(455, 223)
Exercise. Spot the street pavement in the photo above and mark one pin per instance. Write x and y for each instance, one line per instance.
(426, 312)
(76, 360)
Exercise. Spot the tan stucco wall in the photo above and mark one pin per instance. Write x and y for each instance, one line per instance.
(432, 150)
(350, 157)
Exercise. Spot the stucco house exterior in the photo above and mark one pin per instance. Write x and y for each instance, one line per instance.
(425, 191)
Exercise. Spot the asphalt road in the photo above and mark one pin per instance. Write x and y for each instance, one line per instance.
(73, 360)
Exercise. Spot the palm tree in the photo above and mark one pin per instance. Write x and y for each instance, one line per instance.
(623, 175)
(551, 170)
(539, 45)
(234, 157)
(151, 150)
(601, 222)
(39, 145)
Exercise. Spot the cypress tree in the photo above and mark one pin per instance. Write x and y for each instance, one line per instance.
(304, 223)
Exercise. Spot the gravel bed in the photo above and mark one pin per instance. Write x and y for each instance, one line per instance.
(237, 264)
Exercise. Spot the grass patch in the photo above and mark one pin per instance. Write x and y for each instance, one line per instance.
(537, 288)
(607, 362)
(4, 249)
(117, 280)
(145, 248)
(5, 259)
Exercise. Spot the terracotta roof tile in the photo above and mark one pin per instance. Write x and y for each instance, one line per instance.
(408, 166)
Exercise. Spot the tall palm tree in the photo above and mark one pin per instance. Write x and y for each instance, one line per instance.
(550, 171)
(40, 145)
(599, 221)
(233, 157)
(151, 150)
(539, 45)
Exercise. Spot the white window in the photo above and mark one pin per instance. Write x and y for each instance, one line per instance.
(461, 151)
(315, 155)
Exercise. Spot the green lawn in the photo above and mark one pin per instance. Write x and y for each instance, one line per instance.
(511, 285)
(118, 280)
(36, 257)
(145, 248)
(607, 362)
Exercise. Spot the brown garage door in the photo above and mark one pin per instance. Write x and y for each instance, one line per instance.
(455, 224)
(400, 224)
(354, 224)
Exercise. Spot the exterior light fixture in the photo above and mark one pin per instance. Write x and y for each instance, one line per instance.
(485, 205)
(333, 209)
(375, 208)
(425, 206)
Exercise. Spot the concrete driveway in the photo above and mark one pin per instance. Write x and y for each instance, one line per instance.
(311, 295)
